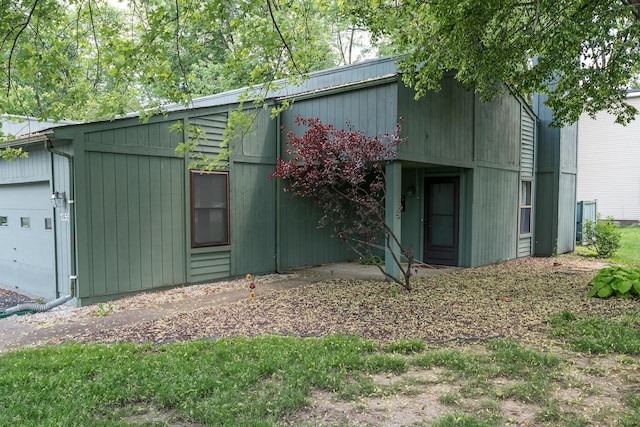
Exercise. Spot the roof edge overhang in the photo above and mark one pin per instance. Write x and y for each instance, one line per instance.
(28, 140)
(346, 87)
(633, 94)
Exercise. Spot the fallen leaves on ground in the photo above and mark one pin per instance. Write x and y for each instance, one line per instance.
(513, 299)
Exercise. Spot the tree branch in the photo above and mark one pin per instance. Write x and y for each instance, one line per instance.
(635, 5)
(15, 43)
(178, 55)
(284, 42)
(96, 81)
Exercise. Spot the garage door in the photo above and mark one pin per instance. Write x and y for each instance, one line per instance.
(26, 238)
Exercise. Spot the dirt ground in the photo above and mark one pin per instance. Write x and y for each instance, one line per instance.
(460, 308)
(9, 298)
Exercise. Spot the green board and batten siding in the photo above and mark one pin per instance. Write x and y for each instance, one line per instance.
(494, 223)
(302, 242)
(252, 201)
(555, 183)
(130, 210)
(133, 205)
(482, 140)
(438, 127)
(567, 188)
(207, 263)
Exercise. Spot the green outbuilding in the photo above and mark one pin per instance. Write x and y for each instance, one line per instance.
(109, 209)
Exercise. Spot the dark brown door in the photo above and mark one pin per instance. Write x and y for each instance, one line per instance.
(441, 209)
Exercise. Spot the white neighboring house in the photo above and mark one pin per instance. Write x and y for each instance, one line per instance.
(609, 164)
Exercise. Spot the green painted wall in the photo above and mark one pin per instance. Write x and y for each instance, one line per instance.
(130, 209)
(302, 242)
(136, 224)
(567, 188)
(253, 219)
(372, 108)
(495, 204)
(61, 218)
(497, 131)
(556, 184)
(439, 126)
(412, 225)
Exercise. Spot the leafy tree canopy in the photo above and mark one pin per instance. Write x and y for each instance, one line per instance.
(90, 59)
(94, 59)
(589, 48)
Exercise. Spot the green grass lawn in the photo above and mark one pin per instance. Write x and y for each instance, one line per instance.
(263, 381)
(629, 252)
(584, 371)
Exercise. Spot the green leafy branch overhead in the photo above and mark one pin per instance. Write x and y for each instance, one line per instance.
(95, 59)
(588, 49)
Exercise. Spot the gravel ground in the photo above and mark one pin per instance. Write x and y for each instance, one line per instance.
(9, 298)
(146, 300)
(513, 299)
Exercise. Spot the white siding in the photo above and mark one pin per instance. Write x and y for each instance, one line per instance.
(609, 164)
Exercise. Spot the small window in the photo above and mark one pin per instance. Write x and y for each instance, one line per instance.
(25, 222)
(209, 208)
(525, 207)
(4, 221)
(48, 223)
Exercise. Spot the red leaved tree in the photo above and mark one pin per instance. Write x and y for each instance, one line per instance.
(343, 172)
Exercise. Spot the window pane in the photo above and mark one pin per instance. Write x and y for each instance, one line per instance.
(526, 194)
(4, 221)
(24, 222)
(209, 191)
(210, 214)
(210, 226)
(525, 220)
(48, 224)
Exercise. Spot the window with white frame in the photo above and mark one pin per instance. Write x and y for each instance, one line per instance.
(525, 207)
(209, 208)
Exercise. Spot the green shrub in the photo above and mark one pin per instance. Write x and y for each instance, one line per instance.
(616, 280)
(602, 236)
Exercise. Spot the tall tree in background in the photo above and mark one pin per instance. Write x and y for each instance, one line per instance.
(50, 57)
(590, 49)
(89, 59)
(86, 59)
